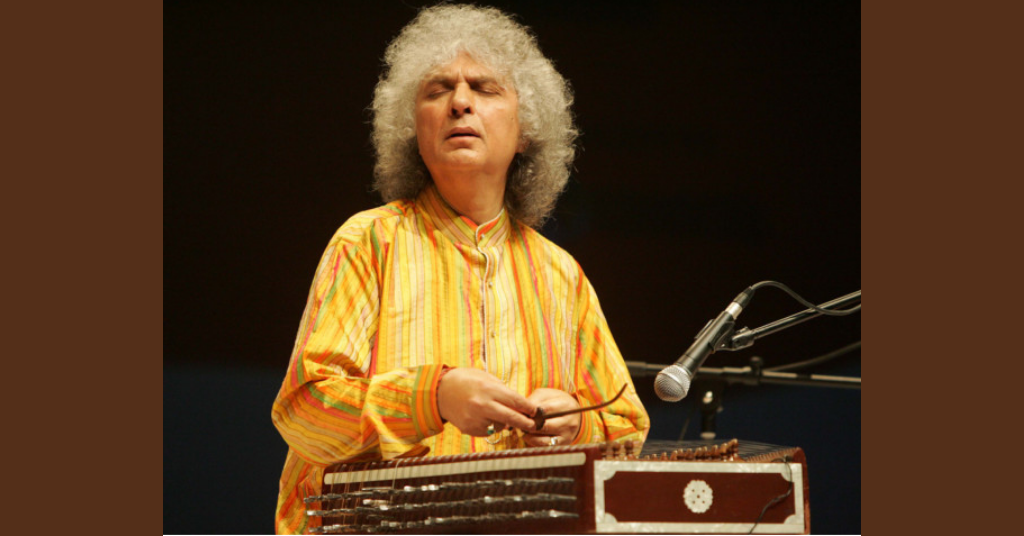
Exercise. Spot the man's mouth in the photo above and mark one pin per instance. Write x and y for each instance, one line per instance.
(462, 132)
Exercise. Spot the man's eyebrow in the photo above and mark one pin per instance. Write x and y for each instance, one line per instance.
(448, 79)
(486, 79)
(436, 79)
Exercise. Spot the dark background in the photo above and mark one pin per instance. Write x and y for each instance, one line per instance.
(721, 147)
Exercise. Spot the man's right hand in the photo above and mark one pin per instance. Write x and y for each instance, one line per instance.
(473, 399)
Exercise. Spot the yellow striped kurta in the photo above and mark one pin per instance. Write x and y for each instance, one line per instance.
(408, 288)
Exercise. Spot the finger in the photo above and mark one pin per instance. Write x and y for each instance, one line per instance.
(553, 400)
(564, 426)
(539, 440)
(542, 396)
(512, 407)
(512, 418)
(515, 401)
(490, 428)
(486, 427)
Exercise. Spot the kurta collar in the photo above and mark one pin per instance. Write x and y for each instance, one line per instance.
(458, 228)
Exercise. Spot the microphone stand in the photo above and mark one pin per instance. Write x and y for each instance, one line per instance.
(713, 380)
(754, 374)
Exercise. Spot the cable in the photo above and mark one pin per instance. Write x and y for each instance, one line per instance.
(778, 499)
(815, 360)
(805, 303)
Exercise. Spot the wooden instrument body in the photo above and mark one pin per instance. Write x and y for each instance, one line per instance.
(573, 489)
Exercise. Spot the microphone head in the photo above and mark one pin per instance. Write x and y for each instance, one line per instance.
(672, 384)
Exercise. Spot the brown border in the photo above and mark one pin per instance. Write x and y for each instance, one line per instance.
(938, 82)
(879, 211)
(83, 215)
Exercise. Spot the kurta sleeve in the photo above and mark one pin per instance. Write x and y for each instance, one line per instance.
(333, 406)
(600, 373)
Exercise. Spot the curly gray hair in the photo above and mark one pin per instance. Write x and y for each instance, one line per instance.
(434, 38)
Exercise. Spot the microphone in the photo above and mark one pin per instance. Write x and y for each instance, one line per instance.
(672, 384)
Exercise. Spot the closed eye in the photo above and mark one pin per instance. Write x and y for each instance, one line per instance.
(488, 88)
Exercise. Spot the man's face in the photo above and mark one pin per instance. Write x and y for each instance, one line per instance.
(466, 120)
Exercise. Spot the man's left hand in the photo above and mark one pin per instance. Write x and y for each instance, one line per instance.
(562, 429)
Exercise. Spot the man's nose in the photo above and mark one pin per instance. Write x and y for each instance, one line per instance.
(462, 100)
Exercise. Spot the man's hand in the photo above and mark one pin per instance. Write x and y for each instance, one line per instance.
(472, 399)
(564, 428)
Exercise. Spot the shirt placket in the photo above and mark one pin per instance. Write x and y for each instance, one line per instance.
(485, 285)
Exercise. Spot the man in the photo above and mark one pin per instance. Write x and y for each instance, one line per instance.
(440, 322)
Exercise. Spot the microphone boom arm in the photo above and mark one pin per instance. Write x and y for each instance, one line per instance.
(749, 376)
(745, 337)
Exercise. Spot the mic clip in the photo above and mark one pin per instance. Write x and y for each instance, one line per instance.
(725, 338)
(742, 338)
